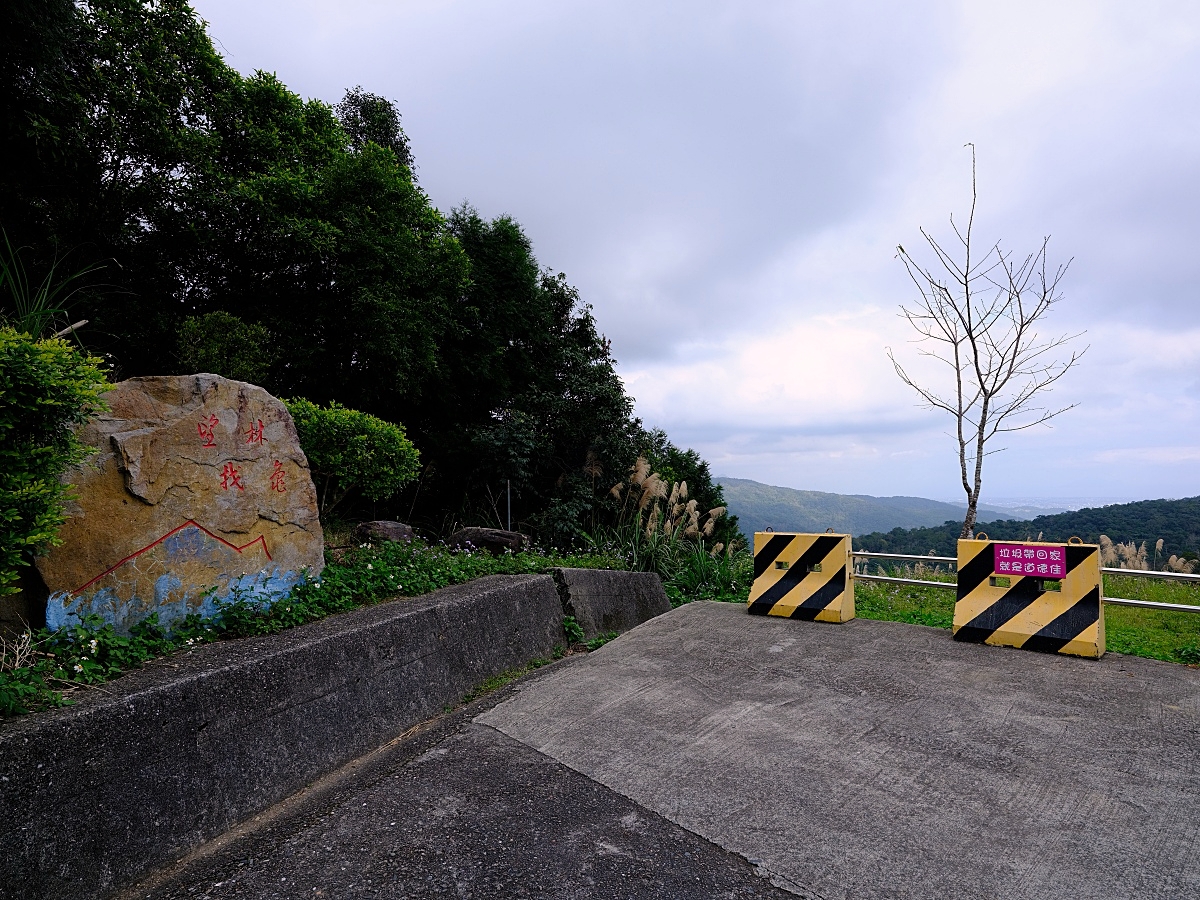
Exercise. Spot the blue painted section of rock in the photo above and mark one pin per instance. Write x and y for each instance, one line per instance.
(262, 590)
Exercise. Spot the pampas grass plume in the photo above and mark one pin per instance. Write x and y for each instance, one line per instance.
(640, 471)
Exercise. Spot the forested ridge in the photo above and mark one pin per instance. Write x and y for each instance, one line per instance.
(247, 230)
(1176, 522)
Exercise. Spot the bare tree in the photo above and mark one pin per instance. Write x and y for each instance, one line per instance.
(978, 315)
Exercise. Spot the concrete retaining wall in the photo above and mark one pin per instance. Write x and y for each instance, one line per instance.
(603, 601)
(99, 794)
(93, 796)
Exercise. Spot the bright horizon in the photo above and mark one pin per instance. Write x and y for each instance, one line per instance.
(726, 185)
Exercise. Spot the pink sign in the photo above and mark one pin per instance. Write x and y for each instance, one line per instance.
(1027, 559)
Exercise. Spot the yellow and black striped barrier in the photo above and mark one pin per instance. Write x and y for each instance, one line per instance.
(802, 576)
(1035, 596)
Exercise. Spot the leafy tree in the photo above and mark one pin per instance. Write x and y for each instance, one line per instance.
(367, 117)
(525, 393)
(106, 110)
(349, 450)
(130, 139)
(46, 386)
(223, 344)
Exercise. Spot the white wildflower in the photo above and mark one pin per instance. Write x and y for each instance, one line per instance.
(369, 566)
(78, 667)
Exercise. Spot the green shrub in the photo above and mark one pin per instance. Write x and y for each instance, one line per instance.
(348, 449)
(221, 343)
(46, 387)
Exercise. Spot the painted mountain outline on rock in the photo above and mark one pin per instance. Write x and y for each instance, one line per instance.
(190, 523)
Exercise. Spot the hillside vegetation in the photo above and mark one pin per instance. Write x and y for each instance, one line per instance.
(761, 506)
(1176, 522)
(235, 227)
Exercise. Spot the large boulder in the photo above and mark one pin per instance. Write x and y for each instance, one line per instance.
(383, 530)
(494, 540)
(198, 492)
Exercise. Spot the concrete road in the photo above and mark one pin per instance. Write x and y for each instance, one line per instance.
(878, 760)
(459, 810)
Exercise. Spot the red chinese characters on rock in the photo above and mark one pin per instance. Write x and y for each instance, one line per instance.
(231, 477)
(206, 429)
(254, 434)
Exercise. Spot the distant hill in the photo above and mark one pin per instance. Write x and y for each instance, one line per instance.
(761, 506)
(1177, 522)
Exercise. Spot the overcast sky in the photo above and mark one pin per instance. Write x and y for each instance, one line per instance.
(726, 184)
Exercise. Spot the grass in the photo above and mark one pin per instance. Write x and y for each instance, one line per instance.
(904, 603)
(43, 669)
(493, 684)
(1156, 634)
(691, 568)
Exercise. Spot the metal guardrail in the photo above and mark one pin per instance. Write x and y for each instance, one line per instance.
(953, 585)
(949, 585)
(1148, 573)
(864, 553)
(1153, 604)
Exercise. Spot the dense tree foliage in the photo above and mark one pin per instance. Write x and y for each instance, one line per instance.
(1176, 522)
(369, 118)
(221, 342)
(246, 230)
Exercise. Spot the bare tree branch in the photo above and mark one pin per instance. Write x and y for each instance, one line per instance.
(979, 316)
